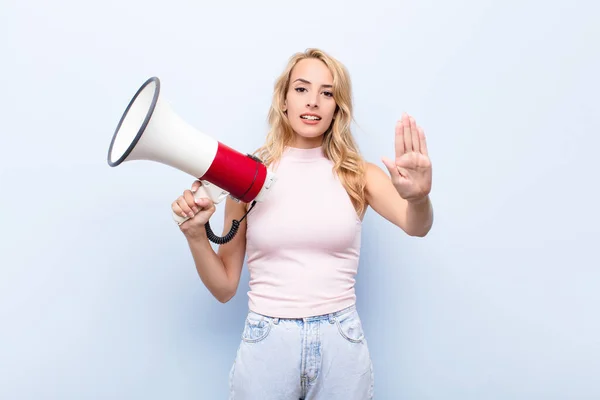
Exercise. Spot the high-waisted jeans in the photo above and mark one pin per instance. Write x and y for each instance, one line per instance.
(313, 358)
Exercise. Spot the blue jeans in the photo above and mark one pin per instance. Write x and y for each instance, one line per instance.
(314, 358)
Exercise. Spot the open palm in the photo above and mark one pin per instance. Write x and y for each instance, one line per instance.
(411, 170)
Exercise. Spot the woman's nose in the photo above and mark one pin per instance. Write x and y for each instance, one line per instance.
(312, 103)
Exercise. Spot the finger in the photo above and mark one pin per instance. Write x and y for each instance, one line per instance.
(408, 147)
(185, 207)
(177, 210)
(422, 141)
(391, 166)
(190, 200)
(399, 139)
(414, 134)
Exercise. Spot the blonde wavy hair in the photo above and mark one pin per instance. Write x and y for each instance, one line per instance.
(339, 145)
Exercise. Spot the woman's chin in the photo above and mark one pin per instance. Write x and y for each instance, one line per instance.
(309, 132)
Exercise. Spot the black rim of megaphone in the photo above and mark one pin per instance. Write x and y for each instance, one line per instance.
(142, 127)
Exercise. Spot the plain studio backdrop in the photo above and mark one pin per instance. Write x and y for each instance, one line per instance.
(99, 297)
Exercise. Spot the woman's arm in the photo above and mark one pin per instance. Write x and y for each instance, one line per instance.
(219, 271)
(414, 217)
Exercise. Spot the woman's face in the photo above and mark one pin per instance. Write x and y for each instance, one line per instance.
(309, 102)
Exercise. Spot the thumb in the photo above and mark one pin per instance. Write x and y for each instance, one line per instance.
(391, 166)
(195, 186)
(205, 203)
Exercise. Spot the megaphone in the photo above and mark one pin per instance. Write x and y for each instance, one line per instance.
(150, 130)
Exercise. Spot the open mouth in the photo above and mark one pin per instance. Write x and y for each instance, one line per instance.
(310, 117)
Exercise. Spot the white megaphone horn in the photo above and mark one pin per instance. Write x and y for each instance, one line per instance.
(150, 130)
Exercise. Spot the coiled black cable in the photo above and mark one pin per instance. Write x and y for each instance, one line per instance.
(235, 225)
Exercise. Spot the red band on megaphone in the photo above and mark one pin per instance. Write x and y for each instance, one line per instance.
(237, 173)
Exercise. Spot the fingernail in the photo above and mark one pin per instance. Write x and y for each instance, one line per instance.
(191, 215)
(195, 209)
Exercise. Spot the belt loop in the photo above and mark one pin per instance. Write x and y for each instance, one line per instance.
(276, 320)
(331, 318)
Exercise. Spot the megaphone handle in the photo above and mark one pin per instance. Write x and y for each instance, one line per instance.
(235, 225)
(206, 190)
(216, 194)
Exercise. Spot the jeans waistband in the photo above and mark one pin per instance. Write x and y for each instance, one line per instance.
(329, 316)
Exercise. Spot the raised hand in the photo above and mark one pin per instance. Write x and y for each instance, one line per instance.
(411, 170)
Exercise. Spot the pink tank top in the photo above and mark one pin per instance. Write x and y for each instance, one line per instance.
(303, 241)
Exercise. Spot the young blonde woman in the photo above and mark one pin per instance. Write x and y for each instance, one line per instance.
(303, 338)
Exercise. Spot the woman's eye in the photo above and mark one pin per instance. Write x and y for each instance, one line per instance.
(299, 89)
(329, 94)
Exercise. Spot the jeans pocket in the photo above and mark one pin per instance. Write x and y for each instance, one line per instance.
(256, 329)
(350, 327)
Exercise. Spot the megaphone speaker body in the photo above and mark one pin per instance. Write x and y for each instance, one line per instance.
(150, 130)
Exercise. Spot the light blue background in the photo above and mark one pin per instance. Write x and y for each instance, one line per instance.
(99, 298)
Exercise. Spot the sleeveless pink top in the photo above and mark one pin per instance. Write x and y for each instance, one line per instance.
(303, 241)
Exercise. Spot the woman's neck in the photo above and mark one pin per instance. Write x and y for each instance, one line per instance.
(300, 142)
